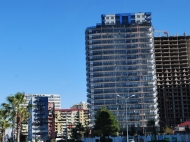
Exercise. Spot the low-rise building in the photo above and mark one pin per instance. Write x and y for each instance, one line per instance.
(65, 119)
(182, 126)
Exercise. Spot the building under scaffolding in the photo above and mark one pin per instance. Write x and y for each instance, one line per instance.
(120, 61)
(172, 69)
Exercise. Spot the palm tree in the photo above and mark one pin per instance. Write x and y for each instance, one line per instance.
(4, 122)
(17, 111)
(152, 123)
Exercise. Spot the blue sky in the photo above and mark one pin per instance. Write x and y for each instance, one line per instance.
(42, 42)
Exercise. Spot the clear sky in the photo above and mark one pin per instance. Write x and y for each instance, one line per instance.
(42, 42)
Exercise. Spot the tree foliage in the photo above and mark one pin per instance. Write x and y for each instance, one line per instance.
(17, 112)
(151, 123)
(105, 123)
(168, 130)
(76, 133)
(4, 122)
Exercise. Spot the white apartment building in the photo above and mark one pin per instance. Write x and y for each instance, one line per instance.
(51, 98)
(55, 98)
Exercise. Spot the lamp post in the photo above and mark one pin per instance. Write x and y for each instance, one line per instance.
(126, 112)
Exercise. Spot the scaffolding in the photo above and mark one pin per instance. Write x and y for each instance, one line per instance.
(120, 60)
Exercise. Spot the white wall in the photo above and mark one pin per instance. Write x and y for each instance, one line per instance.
(139, 17)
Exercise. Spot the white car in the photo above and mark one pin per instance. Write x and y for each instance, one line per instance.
(131, 139)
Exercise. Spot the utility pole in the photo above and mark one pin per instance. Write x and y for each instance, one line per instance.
(126, 113)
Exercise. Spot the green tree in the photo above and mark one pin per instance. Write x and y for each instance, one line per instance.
(105, 123)
(17, 111)
(4, 122)
(77, 132)
(151, 123)
(53, 140)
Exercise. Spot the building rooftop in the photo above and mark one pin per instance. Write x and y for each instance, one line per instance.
(186, 123)
(70, 109)
(126, 18)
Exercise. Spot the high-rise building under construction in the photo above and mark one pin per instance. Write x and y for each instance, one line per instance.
(172, 70)
(120, 65)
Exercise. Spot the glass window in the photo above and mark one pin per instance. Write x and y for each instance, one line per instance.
(133, 16)
(138, 16)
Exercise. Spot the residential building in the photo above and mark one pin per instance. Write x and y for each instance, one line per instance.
(51, 120)
(84, 106)
(120, 61)
(172, 71)
(81, 105)
(65, 119)
(52, 98)
(41, 123)
(183, 126)
(24, 128)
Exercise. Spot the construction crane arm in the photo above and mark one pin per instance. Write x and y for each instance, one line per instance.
(161, 31)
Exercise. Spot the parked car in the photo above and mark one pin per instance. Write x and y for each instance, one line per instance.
(131, 139)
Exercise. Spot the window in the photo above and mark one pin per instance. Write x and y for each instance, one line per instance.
(138, 16)
(112, 17)
(107, 17)
(142, 16)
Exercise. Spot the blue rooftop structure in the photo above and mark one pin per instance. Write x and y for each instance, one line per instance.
(126, 18)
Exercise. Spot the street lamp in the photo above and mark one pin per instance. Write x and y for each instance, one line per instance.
(126, 112)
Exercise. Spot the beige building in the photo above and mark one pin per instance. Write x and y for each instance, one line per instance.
(65, 119)
(81, 105)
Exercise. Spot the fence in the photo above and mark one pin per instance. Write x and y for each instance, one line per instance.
(168, 138)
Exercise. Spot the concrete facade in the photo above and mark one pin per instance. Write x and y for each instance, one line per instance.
(172, 55)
